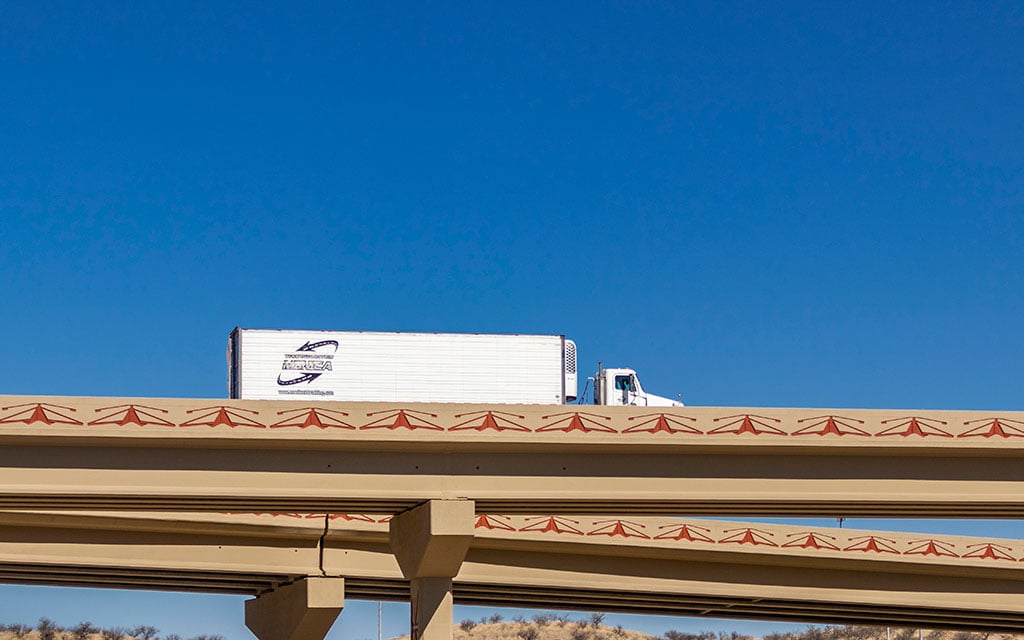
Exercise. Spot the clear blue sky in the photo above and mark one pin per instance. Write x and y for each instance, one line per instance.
(804, 204)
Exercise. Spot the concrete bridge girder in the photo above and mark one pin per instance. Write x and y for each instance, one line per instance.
(354, 460)
(198, 455)
(737, 570)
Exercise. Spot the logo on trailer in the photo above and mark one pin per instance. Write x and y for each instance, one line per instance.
(307, 363)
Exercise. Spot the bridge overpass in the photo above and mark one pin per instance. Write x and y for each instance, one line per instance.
(638, 565)
(431, 472)
(217, 455)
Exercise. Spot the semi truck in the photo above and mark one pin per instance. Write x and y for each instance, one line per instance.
(370, 366)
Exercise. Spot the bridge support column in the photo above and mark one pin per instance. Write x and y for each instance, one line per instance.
(430, 542)
(302, 610)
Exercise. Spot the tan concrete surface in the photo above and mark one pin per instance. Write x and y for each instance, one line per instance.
(430, 542)
(696, 567)
(166, 454)
(300, 610)
(330, 476)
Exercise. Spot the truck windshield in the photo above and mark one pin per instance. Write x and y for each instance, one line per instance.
(624, 383)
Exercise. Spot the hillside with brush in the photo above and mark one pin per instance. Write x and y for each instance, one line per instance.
(543, 626)
(47, 629)
(549, 626)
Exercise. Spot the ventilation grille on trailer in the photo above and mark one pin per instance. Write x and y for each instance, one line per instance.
(570, 356)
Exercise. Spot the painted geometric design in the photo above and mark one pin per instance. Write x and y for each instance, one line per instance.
(747, 535)
(875, 544)
(553, 524)
(620, 528)
(930, 547)
(689, 532)
(501, 523)
(489, 420)
(661, 423)
(830, 425)
(38, 412)
(576, 421)
(312, 417)
(350, 517)
(402, 419)
(747, 423)
(915, 426)
(994, 427)
(126, 414)
(989, 551)
(672, 529)
(811, 540)
(222, 416)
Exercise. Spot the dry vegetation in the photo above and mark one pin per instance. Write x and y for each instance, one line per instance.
(542, 626)
(549, 626)
(47, 629)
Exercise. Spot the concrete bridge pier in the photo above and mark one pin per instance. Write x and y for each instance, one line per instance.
(430, 542)
(301, 610)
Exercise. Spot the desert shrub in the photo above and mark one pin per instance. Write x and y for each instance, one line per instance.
(144, 632)
(619, 630)
(543, 619)
(519, 619)
(47, 629)
(83, 630)
(19, 630)
(113, 633)
(467, 625)
(580, 631)
(529, 633)
(863, 633)
(495, 619)
(733, 635)
(833, 632)
(596, 619)
(208, 637)
(172, 636)
(682, 635)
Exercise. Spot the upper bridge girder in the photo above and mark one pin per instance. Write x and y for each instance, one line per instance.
(182, 454)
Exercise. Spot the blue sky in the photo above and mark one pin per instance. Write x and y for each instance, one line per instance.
(795, 204)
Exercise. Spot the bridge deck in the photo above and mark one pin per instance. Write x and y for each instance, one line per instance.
(218, 455)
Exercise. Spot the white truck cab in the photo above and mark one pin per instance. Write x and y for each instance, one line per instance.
(621, 387)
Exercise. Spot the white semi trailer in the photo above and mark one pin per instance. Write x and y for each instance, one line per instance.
(277, 364)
